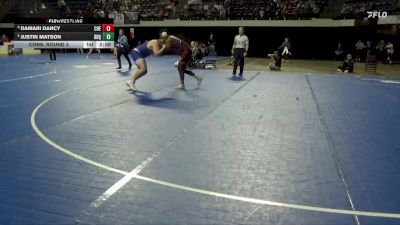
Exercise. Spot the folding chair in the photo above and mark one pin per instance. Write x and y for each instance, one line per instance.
(370, 63)
(211, 60)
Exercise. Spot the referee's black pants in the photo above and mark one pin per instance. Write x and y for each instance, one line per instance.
(53, 56)
(238, 58)
(125, 53)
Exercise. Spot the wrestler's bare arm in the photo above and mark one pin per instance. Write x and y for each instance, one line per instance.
(157, 51)
(172, 42)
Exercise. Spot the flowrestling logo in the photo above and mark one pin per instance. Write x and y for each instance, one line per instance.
(376, 14)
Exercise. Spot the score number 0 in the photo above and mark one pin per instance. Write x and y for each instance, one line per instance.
(108, 32)
(108, 27)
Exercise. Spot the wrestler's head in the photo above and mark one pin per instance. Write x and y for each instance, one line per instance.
(241, 30)
(164, 35)
(121, 31)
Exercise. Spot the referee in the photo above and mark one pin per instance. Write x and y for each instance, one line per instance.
(239, 51)
(53, 56)
(123, 48)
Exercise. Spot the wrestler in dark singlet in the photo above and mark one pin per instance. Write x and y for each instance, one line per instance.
(173, 43)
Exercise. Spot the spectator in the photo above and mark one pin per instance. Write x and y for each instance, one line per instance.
(339, 52)
(68, 12)
(222, 11)
(202, 47)
(298, 11)
(286, 47)
(61, 4)
(255, 13)
(196, 51)
(262, 13)
(172, 9)
(100, 14)
(347, 66)
(3, 39)
(359, 46)
(381, 50)
(389, 52)
(284, 12)
(206, 9)
(370, 48)
(211, 43)
(362, 11)
(343, 11)
(276, 61)
(62, 7)
(316, 11)
(162, 13)
(115, 4)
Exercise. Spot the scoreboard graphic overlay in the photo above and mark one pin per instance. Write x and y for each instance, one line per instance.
(64, 33)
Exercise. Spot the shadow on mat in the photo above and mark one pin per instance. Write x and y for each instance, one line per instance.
(146, 98)
(125, 73)
(237, 78)
(41, 62)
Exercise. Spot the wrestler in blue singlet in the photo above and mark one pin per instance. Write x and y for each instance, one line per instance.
(141, 52)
